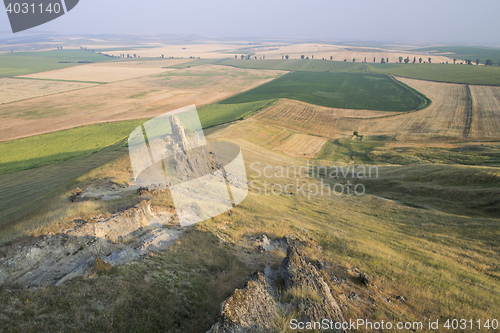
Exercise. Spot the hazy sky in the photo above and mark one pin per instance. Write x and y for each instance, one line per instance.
(446, 21)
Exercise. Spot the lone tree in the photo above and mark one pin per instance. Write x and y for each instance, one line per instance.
(242, 56)
(400, 59)
(365, 59)
(312, 56)
(407, 60)
(331, 57)
(429, 60)
(488, 62)
(302, 57)
(420, 60)
(373, 59)
(387, 60)
(477, 61)
(353, 59)
(454, 60)
(414, 59)
(382, 61)
(286, 57)
(235, 56)
(345, 60)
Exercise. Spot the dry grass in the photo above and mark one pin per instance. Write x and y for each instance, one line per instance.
(445, 265)
(486, 112)
(301, 145)
(143, 97)
(12, 90)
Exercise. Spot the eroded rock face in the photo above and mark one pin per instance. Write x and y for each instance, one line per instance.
(256, 307)
(248, 310)
(119, 239)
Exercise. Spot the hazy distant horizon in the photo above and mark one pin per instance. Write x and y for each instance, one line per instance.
(385, 21)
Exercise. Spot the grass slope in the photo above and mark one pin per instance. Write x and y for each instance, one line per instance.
(465, 52)
(21, 63)
(364, 91)
(482, 75)
(308, 65)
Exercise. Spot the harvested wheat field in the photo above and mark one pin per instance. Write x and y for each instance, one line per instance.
(302, 145)
(486, 112)
(314, 119)
(445, 117)
(143, 97)
(12, 90)
(96, 73)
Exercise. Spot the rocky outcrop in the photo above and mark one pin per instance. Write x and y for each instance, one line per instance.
(300, 274)
(248, 310)
(304, 295)
(54, 259)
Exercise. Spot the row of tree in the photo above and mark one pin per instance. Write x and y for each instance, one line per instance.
(401, 60)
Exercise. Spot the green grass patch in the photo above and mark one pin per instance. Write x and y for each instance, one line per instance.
(365, 91)
(32, 152)
(464, 52)
(216, 114)
(467, 74)
(308, 65)
(22, 63)
(348, 151)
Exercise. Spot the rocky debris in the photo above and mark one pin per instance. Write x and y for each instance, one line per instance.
(401, 299)
(254, 308)
(76, 196)
(264, 244)
(299, 273)
(251, 309)
(364, 279)
(54, 259)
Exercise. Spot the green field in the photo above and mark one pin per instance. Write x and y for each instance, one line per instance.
(21, 63)
(365, 91)
(35, 151)
(308, 65)
(465, 52)
(470, 74)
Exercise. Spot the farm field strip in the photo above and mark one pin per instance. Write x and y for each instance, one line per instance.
(12, 90)
(485, 112)
(448, 73)
(100, 73)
